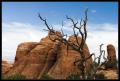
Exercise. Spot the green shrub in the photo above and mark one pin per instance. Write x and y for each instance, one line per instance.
(46, 77)
(2, 77)
(74, 77)
(95, 64)
(14, 77)
(111, 65)
(100, 76)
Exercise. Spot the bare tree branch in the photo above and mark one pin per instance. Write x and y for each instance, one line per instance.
(44, 20)
(99, 58)
(89, 57)
(84, 59)
(74, 24)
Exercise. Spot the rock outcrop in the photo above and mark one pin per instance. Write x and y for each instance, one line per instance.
(5, 67)
(33, 59)
(56, 59)
(112, 62)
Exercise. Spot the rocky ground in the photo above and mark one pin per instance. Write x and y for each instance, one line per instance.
(109, 74)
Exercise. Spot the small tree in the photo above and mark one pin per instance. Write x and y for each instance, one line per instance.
(98, 64)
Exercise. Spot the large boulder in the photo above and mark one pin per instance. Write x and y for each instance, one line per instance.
(31, 57)
(22, 54)
(34, 59)
(5, 67)
(23, 50)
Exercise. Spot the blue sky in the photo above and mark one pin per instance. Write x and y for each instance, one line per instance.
(55, 12)
(20, 23)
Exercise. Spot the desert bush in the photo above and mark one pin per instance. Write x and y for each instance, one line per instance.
(2, 77)
(111, 65)
(74, 77)
(95, 64)
(100, 76)
(46, 77)
(14, 77)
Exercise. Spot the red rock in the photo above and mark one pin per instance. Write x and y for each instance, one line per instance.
(31, 58)
(111, 56)
(47, 57)
(5, 67)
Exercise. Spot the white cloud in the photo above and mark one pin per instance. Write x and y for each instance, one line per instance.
(98, 37)
(93, 11)
(15, 33)
(102, 27)
(105, 33)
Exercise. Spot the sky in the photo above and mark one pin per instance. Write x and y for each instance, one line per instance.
(20, 23)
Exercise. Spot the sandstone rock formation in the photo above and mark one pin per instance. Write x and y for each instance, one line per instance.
(111, 56)
(33, 59)
(5, 67)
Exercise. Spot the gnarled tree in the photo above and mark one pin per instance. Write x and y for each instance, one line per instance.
(79, 29)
